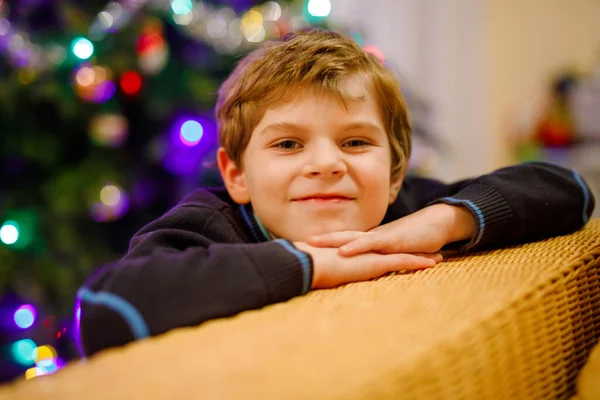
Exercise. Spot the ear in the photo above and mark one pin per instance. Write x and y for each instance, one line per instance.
(233, 177)
(395, 186)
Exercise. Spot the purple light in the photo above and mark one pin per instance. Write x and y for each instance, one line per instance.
(25, 316)
(191, 132)
(185, 159)
(103, 92)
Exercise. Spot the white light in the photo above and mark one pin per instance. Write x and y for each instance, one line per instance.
(182, 6)
(183, 19)
(16, 43)
(83, 48)
(255, 36)
(271, 11)
(106, 19)
(114, 9)
(217, 27)
(9, 233)
(319, 8)
(110, 195)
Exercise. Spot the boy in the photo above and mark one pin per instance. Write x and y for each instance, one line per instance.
(315, 140)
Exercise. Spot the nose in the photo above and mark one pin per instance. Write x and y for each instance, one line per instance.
(325, 159)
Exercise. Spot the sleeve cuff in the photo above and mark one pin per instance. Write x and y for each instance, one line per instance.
(289, 273)
(491, 211)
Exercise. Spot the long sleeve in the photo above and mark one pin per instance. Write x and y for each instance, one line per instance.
(517, 204)
(181, 270)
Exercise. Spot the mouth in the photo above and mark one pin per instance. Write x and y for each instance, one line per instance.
(334, 198)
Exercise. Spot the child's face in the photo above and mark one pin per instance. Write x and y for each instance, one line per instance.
(310, 148)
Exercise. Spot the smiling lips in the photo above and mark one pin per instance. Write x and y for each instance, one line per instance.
(322, 198)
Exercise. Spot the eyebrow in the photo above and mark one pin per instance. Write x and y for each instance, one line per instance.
(297, 128)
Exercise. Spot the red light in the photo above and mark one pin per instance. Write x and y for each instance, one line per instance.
(131, 82)
(58, 335)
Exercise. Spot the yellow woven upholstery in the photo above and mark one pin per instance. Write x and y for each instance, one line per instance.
(516, 323)
(588, 383)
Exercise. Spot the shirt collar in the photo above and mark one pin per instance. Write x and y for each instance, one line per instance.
(259, 232)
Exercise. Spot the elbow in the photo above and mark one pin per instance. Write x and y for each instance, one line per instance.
(106, 320)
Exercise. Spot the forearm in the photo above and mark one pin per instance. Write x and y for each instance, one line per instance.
(149, 295)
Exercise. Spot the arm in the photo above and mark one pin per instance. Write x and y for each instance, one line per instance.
(176, 274)
(512, 205)
(517, 204)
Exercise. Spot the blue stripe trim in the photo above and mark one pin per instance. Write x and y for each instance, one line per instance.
(121, 306)
(586, 197)
(247, 219)
(304, 261)
(262, 228)
(476, 210)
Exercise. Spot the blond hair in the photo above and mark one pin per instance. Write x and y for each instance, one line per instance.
(313, 58)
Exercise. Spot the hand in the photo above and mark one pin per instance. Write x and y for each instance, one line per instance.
(425, 231)
(330, 269)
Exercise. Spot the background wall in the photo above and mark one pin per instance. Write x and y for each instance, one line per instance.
(482, 65)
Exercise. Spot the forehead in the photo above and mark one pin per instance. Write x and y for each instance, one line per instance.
(352, 97)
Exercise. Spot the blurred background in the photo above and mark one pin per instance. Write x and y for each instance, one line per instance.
(106, 118)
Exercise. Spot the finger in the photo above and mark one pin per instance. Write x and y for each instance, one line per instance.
(399, 262)
(437, 257)
(334, 239)
(364, 244)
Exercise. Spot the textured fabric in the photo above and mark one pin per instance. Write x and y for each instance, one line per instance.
(588, 383)
(516, 323)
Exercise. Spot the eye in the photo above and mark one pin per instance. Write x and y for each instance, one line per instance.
(288, 145)
(356, 143)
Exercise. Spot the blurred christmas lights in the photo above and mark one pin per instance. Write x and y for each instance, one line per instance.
(319, 8)
(113, 204)
(93, 83)
(131, 82)
(9, 232)
(191, 132)
(109, 130)
(24, 317)
(82, 48)
(181, 7)
(22, 351)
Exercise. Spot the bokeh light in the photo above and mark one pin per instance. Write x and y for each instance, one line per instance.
(34, 372)
(185, 144)
(181, 7)
(9, 232)
(376, 51)
(44, 355)
(109, 130)
(113, 204)
(191, 132)
(252, 26)
(131, 82)
(22, 351)
(82, 48)
(24, 317)
(110, 195)
(271, 11)
(319, 8)
(94, 84)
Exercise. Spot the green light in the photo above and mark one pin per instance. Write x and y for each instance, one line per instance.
(22, 351)
(319, 8)
(9, 233)
(19, 230)
(82, 48)
(182, 7)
